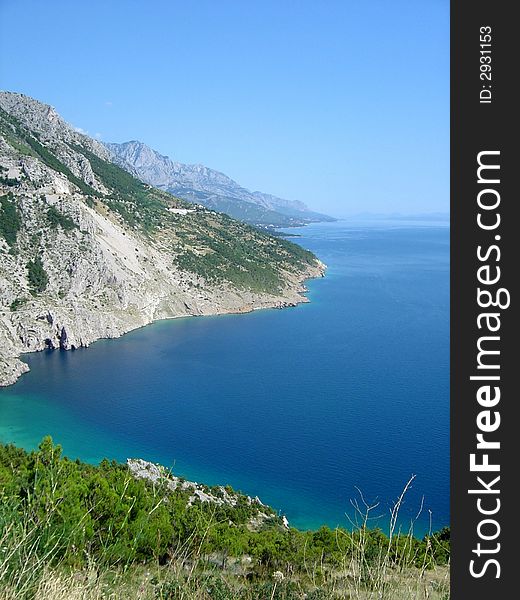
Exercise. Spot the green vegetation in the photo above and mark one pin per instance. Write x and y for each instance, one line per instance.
(9, 182)
(249, 212)
(17, 303)
(63, 520)
(208, 244)
(37, 276)
(211, 245)
(227, 250)
(138, 204)
(58, 219)
(112, 176)
(10, 221)
(8, 129)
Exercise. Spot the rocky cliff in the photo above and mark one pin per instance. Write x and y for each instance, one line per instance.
(87, 251)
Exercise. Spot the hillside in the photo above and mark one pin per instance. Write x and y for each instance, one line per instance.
(72, 530)
(89, 251)
(202, 185)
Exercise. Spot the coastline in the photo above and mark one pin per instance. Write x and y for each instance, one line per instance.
(187, 369)
(86, 326)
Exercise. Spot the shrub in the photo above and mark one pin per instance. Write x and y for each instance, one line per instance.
(62, 517)
(10, 221)
(58, 219)
(17, 303)
(37, 276)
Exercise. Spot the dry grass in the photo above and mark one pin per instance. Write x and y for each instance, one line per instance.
(85, 585)
(391, 574)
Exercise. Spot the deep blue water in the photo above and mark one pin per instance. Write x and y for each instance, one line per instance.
(297, 406)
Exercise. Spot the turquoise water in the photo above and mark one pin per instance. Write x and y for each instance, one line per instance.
(298, 406)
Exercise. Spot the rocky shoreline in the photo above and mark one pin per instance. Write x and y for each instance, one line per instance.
(87, 251)
(40, 327)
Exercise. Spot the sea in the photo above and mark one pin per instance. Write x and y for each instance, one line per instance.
(319, 410)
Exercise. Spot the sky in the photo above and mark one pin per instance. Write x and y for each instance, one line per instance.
(342, 104)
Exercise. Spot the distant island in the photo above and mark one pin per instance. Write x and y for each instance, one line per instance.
(89, 251)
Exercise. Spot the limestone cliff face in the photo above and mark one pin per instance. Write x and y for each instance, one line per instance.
(88, 252)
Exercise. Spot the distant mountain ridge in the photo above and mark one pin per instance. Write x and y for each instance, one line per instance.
(200, 184)
(88, 251)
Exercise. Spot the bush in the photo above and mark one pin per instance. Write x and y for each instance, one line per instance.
(58, 219)
(17, 303)
(60, 516)
(37, 276)
(10, 221)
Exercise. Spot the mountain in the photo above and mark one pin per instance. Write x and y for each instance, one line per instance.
(88, 251)
(199, 184)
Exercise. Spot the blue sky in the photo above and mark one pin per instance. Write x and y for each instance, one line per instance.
(342, 104)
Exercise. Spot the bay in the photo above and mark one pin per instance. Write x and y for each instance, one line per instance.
(301, 406)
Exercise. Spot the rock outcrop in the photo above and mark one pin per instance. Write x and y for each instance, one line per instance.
(197, 492)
